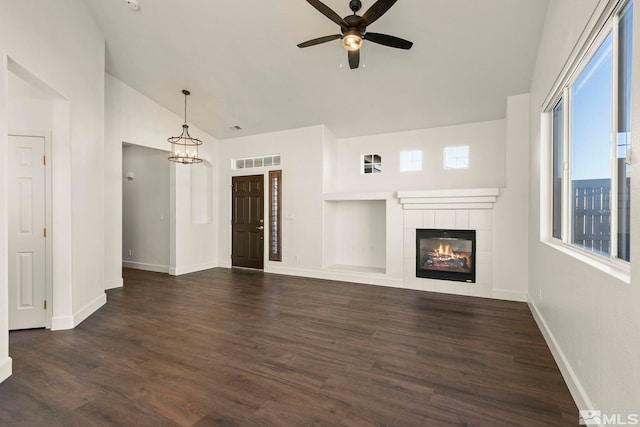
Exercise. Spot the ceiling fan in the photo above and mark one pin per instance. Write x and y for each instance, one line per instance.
(354, 28)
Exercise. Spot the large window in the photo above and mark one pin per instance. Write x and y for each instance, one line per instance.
(591, 141)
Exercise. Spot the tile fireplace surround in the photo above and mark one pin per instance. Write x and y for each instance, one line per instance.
(467, 209)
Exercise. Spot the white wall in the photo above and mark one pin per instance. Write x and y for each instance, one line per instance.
(70, 59)
(486, 142)
(30, 109)
(511, 212)
(361, 233)
(589, 317)
(133, 118)
(325, 198)
(145, 208)
(302, 182)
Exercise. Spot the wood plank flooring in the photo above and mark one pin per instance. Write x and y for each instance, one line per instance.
(234, 347)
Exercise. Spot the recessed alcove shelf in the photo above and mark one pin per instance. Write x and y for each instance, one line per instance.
(355, 232)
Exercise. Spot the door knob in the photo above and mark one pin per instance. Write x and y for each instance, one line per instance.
(260, 228)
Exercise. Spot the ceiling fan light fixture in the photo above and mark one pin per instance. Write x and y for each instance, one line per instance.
(352, 41)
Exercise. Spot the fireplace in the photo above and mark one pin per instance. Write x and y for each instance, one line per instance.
(446, 254)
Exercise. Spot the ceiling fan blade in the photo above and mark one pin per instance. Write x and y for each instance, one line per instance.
(320, 40)
(377, 10)
(328, 12)
(387, 40)
(354, 58)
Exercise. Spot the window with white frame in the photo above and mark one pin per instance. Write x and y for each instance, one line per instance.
(371, 163)
(410, 161)
(591, 116)
(456, 157)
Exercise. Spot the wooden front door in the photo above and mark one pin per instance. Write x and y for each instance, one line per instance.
(247, 221)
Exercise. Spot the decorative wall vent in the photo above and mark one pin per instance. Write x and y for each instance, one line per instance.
(256, 162)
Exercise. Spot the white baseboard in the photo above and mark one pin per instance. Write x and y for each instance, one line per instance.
(509, 295)
(344, 276)
(371, 278)
(176, 271)
(575, 387)
(86, 311)
(146, 267)
(6, 365)
(113, 284)
(59, 323)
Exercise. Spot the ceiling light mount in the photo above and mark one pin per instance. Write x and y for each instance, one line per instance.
(184, 148)
(133, 5)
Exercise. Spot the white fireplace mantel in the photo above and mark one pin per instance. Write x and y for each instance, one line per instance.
(471, 198)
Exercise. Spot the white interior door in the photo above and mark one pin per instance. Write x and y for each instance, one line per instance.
(27, 290)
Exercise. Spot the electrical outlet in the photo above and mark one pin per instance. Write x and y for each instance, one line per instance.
(129, 252)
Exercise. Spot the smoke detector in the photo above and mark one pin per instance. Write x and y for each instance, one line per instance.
(133, 5)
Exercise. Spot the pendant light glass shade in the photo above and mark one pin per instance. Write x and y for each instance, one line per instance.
(184, 148)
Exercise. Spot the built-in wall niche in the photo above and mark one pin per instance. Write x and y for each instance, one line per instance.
(355, 235)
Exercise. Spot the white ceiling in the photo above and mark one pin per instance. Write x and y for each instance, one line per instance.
(240, 61)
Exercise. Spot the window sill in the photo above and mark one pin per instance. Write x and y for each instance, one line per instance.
(620, 270)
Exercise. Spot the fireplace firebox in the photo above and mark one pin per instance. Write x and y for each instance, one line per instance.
(446, 254)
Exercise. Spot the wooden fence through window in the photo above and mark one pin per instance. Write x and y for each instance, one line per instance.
(592, 213)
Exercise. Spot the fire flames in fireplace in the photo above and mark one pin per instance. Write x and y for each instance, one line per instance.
(446, 254)
(445, 258)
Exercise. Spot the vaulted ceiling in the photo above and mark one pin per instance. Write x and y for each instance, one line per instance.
(240, 61)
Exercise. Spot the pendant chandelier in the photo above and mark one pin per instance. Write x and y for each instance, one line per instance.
(184, 148)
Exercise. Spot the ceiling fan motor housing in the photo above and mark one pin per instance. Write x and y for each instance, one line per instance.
(356, 23)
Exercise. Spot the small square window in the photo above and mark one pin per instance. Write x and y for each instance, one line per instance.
(240, 164)
(410, 161)
(456, 157)
(371, 163)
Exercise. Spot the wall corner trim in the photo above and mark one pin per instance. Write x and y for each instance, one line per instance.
(5, 368)
(573, 383)
(86, 311)
(59, 323)
(113, 284)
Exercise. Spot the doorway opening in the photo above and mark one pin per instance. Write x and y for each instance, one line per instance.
(38, 115)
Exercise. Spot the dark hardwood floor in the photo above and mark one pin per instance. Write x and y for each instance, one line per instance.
(234, 347)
